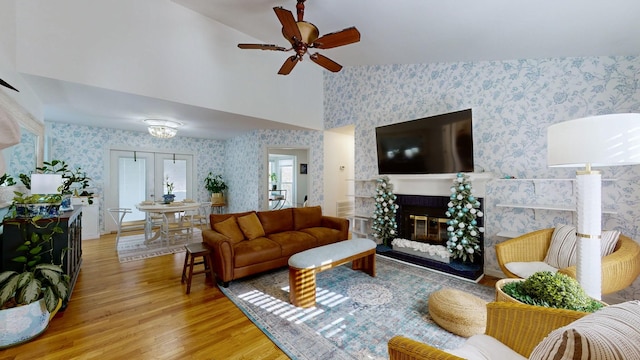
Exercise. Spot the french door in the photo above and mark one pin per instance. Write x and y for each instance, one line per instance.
(136, 176)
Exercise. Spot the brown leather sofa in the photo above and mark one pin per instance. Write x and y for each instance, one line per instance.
(248, 243)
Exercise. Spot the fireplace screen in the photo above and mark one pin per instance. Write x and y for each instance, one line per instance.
(428, 229)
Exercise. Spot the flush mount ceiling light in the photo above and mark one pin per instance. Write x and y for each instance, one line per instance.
(163, 129)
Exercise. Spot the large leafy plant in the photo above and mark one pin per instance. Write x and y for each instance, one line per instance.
(557, 290)
(214, 183)
(38, 279)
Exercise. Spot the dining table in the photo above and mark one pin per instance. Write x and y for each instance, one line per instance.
(167, 212)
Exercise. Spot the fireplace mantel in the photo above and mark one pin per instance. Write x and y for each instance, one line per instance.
(437, 184)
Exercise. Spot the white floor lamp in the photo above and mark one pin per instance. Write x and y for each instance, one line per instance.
(606, 140)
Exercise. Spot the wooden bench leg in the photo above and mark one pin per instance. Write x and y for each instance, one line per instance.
(302, 287)
(367, 263)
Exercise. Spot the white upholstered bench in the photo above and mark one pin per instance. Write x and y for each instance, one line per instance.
(304, 265)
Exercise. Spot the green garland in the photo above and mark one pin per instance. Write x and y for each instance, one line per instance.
(384, 217)
(463, 230)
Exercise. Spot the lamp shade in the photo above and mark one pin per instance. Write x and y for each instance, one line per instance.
(46, 183)
(604, 140)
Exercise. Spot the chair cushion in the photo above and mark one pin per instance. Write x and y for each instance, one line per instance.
(526, 269)
(612, 332)
(255, 251)
(230, 229)
(485, 347)
(250, 226)
(562, 250)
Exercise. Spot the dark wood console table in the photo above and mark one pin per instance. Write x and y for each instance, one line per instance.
(70, 238)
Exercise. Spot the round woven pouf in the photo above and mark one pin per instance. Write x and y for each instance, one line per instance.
(459, 312)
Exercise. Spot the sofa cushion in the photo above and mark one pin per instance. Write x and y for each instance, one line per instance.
(230, 229)
(250, 226)
(324, 235)
(307, 217)
(275, 221)
(485, 347)
(562, 250)
(255, 251)
(292, 242)
(612, 332)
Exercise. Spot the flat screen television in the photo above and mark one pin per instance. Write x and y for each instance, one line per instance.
(432, 145)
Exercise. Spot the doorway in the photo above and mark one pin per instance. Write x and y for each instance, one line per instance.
(136, 176)
(291, 181)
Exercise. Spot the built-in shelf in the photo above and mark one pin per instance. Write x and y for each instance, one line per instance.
(555, 207)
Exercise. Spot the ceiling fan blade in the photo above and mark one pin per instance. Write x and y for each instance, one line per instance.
(262, 47)
(339, 38)
(4, 83)
(289, 27)
(325, 62)
(288, 65)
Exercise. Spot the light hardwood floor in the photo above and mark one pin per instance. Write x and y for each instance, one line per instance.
(139, 310)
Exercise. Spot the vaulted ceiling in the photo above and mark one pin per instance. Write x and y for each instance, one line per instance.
(393, 32)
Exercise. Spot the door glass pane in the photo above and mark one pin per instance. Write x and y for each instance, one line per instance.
(131, 185)
(176, 172)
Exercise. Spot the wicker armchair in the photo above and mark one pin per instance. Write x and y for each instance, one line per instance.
(619, 269)
(518, 326)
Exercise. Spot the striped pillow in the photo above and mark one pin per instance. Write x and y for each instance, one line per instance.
(609, 241)
(562, 250)
(610, 333)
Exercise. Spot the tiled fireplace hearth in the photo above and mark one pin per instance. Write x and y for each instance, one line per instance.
(421, 217)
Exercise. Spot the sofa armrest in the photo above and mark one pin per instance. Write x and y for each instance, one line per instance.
(521, 327)
(337, 223)
(221, 254)
(402, 348)
(528, 247)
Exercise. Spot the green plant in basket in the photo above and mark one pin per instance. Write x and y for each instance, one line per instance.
(556, 290)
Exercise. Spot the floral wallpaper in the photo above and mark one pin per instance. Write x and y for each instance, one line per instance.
(22, 156)
(513, 103)
(246, 164)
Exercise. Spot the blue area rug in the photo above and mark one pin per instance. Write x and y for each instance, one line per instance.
(355, 314)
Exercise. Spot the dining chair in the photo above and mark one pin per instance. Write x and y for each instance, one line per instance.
(118, 214)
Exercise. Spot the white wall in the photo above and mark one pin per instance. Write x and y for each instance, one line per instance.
(338, 153)
(163, 50)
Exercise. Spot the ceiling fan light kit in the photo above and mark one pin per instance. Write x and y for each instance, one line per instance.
(303, 36)
(163, 129)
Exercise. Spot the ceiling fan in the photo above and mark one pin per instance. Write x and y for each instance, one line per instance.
(303, 36)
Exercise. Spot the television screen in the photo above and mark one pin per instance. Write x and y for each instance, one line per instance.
(433, 145)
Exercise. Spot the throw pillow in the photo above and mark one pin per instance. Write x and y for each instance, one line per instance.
(612, 332)
(562, 250)
(230, 229)
(250, 226)
(608, 241)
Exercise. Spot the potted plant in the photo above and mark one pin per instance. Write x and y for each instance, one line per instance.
(274, 181)
(169, 196)
(216, 187)
(545, 288)
(31, 297)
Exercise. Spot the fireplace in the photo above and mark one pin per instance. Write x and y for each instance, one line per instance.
(422, 218)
